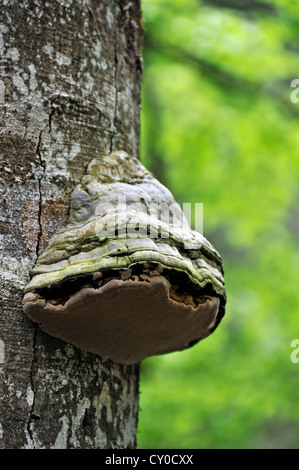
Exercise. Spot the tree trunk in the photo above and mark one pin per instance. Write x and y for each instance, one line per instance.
(70, 82)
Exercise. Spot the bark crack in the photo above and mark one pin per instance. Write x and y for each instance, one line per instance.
(43, 171)
(40, 178)
(115, 84)
(32, 417)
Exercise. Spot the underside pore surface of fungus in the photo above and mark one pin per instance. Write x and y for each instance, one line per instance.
(126, 278)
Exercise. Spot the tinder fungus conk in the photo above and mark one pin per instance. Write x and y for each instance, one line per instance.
(126, 278)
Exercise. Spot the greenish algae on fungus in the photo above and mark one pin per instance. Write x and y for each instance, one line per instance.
(126, 278)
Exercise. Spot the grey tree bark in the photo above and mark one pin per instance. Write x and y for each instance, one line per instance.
(69, 91)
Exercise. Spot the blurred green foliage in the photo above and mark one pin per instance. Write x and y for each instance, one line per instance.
(218, 126)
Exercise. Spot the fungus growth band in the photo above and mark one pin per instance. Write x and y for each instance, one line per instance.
(120, 291)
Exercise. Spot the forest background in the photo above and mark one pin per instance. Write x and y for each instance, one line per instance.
(220, 126)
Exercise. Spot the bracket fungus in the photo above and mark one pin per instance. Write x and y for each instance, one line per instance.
(126, 278)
